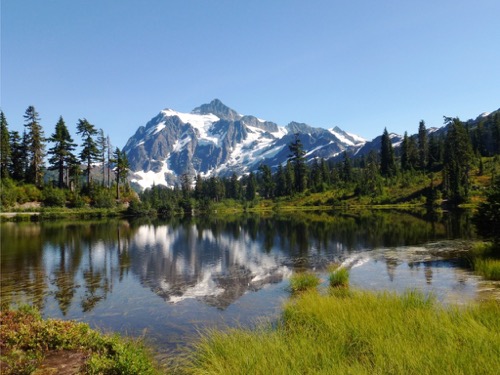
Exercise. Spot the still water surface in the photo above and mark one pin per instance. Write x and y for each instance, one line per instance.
(168, 280)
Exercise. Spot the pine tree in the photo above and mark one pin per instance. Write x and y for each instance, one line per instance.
(251, 187)
(280, 181)
(89, 152)
(299, 164)
(62, 151)
(458, 159)
(102, 146)
(423, 145)
(5, 151)
(347, 168)
(35, 146)
(387, 161)
(405, 165)
(266, 182)
(19, 156)
(121, 169)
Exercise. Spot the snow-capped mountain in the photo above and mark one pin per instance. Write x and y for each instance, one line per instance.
(216, 140)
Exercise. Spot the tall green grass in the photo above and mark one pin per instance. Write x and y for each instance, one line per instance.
(339, 278)
(485, 261)
(359, 333)
(488, 268)
(300, 282)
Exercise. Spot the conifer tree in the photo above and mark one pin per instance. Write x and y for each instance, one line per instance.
(35, 146)
(347, 168)
(5, 152)
(19, 157)
(458, 159)
(121, 168)
(89, 152)
(62, 151)
(299, 164)
(266, 182)
(251, 187)
(387, 161)
(423, 145)
(102, 146)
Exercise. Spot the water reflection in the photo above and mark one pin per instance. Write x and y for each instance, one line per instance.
(77, 265)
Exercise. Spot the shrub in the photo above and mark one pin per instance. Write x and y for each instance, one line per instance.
(53, 197)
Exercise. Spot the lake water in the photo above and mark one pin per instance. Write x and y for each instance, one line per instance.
(166, 280)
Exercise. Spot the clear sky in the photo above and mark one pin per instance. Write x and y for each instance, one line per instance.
(359, 65)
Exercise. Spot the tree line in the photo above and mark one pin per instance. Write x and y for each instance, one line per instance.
(23, 163)
(446, 159)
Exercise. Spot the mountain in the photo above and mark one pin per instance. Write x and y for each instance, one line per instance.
(214, 139)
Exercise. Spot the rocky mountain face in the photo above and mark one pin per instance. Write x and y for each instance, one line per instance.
(214, 139)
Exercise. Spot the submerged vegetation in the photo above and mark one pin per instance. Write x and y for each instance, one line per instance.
(362, 333)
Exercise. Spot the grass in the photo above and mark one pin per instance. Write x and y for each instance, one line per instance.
(488, 268)
(300, 282)
(485, 262)
(359, 333)
(339, 278)
(26, 338)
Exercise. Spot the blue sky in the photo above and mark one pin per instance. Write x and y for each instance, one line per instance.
(359, 65)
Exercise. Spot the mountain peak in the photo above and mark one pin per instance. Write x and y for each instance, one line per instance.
(216, 107)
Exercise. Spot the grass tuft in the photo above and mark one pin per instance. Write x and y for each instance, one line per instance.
(303, 281)
(339, 278)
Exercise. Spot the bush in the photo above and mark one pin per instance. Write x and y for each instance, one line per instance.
(103, 198)
(53, 197)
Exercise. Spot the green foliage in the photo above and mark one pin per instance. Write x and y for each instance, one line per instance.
(488, 268)
(53, 197)
(359, 333)
(102, 197)
(339, 278)
(303, 281)
(25, 339)
(487, 217)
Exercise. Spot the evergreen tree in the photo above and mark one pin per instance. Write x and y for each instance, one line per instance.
(198, 187)
(251, 187)
(5, 151)
(121, 169)
(19, 156)
(423, 146)
(387, 161)
(496, 132)
(90, 152)
(347, 168)
(436, 146)
(299, 164)
(280, 182)
(325, 172)
(266, 182)
(405, 164)
(62, 151)
(35, 146)
(458, 159)
(102, 146)
(109, 147)
(233, 190)
(289, 179)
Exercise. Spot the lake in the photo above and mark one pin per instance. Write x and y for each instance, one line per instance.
(167, 280)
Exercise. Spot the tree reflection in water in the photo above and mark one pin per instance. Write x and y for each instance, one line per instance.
(214, 260)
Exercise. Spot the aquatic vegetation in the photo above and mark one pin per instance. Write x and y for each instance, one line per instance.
(303, 281)
(362, 333)
(339, 278)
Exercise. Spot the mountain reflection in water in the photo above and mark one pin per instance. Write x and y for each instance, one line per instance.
(174, 277)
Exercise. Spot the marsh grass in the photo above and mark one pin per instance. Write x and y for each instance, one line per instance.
(359, 333)
(488, 268)
(339, 278)
(484, 259)
(300, 282)
(26, 338)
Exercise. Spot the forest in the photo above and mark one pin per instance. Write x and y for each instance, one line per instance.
(432, 168)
